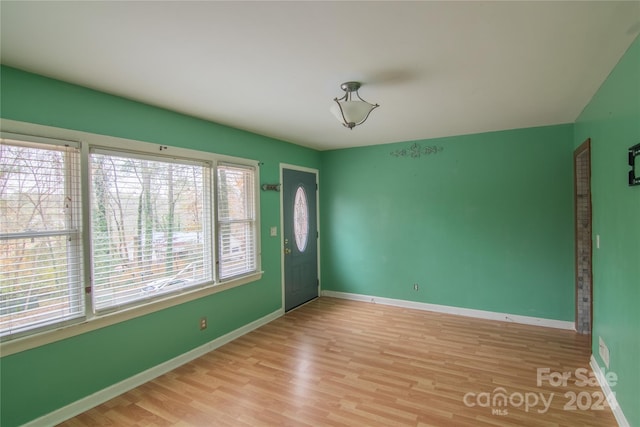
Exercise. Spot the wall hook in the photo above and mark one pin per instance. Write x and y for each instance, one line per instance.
(270, 187)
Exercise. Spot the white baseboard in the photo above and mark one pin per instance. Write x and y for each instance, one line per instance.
(86, 403)
(468, 312)
(610, 395)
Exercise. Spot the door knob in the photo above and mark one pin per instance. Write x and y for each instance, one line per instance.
(287, 251)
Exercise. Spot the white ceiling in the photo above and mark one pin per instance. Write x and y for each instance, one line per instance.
(436, 68)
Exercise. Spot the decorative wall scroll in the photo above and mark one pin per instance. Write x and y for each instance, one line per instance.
(416, 151)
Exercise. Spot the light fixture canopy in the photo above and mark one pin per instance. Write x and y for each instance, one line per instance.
(351, 111)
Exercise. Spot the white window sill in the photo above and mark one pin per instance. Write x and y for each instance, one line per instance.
(100, 321)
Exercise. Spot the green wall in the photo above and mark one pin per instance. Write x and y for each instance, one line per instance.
(38, 381)
(486, 223)
(612, 121)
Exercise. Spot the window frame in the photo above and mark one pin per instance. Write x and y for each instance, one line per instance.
(254, 222)
(207, 226)
(93, 320)
(73, 226)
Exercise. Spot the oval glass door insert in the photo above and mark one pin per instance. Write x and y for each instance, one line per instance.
(301, 219)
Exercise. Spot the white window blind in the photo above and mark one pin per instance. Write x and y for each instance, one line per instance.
(237, 231)
(40, 234)
(152, 231)
(151, 227)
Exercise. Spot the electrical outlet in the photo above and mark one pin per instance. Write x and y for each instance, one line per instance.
(604, 352)
(415, 286)
(203, 323)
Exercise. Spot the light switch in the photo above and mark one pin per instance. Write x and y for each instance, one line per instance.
(597, 241)
(274, 231)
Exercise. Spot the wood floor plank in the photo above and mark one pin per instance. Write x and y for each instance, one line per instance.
(345, 363)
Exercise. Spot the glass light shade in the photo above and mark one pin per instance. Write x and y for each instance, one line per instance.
(354, 111)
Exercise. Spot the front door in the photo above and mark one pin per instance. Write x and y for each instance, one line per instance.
(300, 237)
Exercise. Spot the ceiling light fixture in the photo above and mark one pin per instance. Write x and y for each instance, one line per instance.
(351, 111)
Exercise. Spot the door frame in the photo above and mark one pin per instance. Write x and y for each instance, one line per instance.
(583, 149)
(316, 172)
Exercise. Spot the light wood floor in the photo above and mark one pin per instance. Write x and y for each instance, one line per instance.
(345, 363)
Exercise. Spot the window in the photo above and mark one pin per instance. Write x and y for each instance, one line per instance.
(150, 227)
(301, 219)
(40, 238)
(236, 220)
(159, 225)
